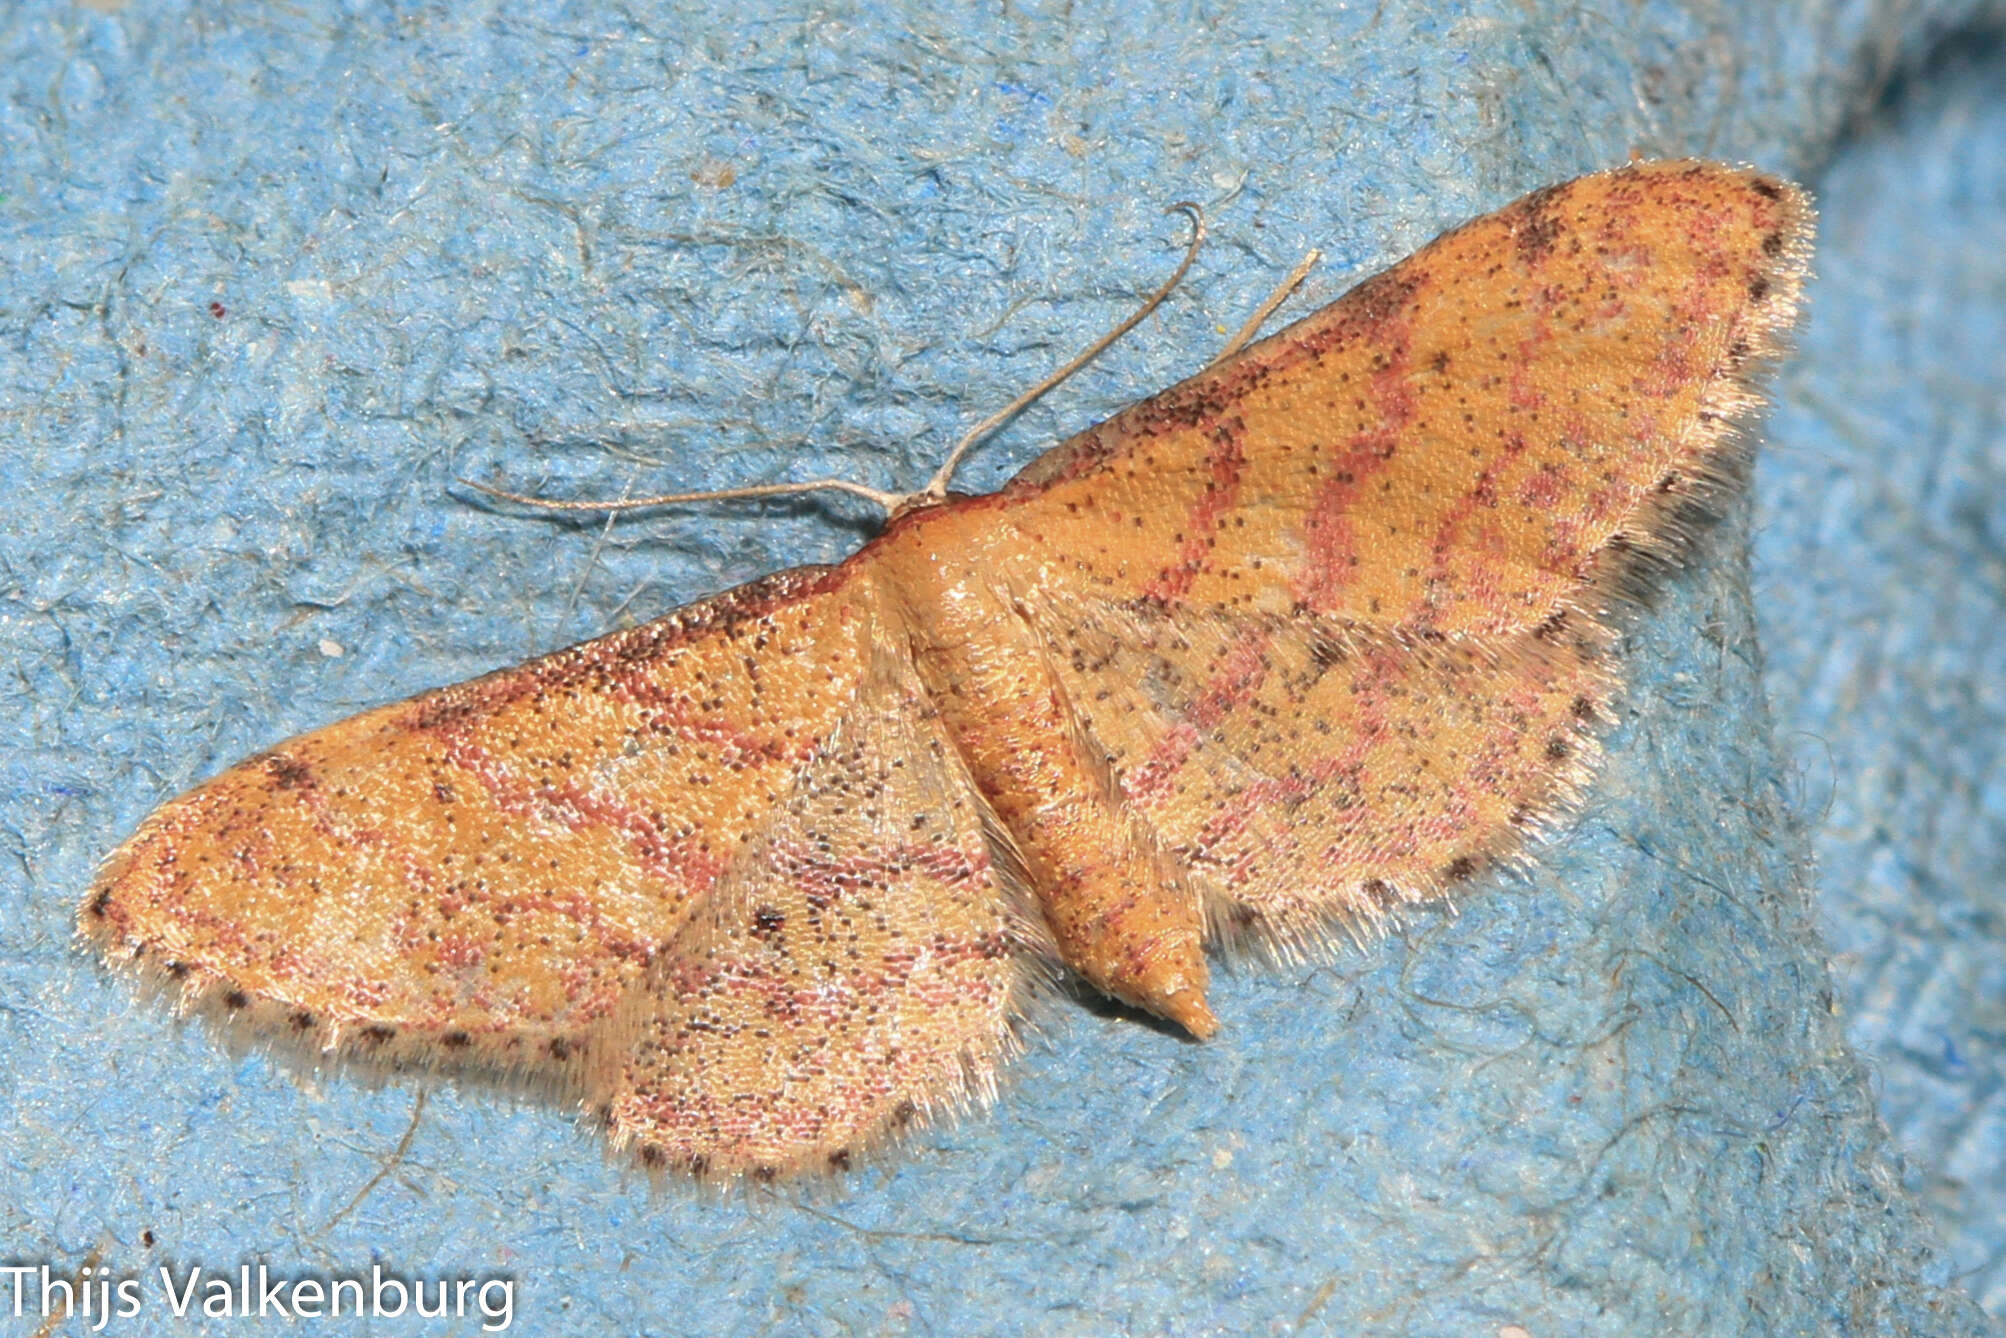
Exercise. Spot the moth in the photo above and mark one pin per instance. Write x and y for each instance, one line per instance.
(1325, 629)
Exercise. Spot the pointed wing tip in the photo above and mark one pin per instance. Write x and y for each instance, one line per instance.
(106, 917)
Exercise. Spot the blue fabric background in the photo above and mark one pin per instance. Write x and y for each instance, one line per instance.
(271, 279)
(1880, 575)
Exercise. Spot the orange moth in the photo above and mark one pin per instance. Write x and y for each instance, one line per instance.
(1325, 629)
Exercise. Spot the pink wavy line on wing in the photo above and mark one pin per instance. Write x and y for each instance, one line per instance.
(1330, 532)
(1224, 464)
(1243, 669)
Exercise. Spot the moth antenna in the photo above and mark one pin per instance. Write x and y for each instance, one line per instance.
(1267, 308)
(894, 503)
(936, 487)
(890, 501)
